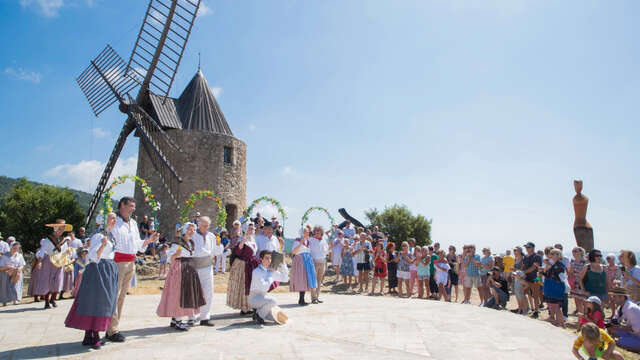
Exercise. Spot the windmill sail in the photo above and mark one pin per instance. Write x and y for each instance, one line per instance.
(161, 42)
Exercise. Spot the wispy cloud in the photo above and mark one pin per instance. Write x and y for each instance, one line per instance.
(252, 127)
(288, 170)
(204, 10)
(216, 91)
(22, 74)
(46, 8)
(100, 133)
(85, 175)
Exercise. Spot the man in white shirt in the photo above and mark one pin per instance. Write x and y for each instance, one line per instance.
(266, 240)
(318, 248)
(261, 280)
(627, 315)
(75, 242)
(205, 248)
(127, 244)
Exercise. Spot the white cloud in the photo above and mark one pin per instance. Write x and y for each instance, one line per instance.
(216, 91)
(204, 10)
(100, 133)
(47, 8)
(85, 175)
(22, 74)
(288, 170)
(252, 127)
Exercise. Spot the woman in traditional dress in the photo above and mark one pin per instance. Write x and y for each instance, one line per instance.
(95, 302)
(303, 272)
(182, 294)
(51, 275)
(11, 264)
(241, 271)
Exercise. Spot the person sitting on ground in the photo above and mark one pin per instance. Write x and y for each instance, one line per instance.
(595, 343)
(593, 314)
(498, 288)
(262, 280)
(626, 320)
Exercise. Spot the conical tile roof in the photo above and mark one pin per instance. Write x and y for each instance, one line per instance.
(198, 109)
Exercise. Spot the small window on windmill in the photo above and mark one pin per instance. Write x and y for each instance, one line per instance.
(228, 155)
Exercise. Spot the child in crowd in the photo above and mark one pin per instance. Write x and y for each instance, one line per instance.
(380, 268)
(404, 266)
(424, 272)
(162, 253)
(595, 343)
(413, 269)
(593, 314)
(442, 275)
(346, 270)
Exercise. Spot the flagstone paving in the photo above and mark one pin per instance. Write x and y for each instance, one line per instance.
(343, 327)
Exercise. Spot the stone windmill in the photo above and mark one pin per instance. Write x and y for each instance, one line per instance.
(185, 143)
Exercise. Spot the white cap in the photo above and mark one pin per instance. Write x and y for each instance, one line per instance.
(594, 299)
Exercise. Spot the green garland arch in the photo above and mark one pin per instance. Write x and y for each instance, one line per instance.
(149, 198)
(305, 217)
(273, 202)
(221, 220)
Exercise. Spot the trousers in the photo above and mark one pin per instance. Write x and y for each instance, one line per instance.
(125, 274)
(221, 262)
(263, 304)
(206, 281)
(320, 266)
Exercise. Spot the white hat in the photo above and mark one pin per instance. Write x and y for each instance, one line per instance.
(185, 227)
(594, 299)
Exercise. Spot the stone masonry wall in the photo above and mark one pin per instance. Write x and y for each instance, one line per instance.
(201, 166)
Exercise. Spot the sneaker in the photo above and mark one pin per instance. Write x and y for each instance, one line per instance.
(181, 326)
(117, 337)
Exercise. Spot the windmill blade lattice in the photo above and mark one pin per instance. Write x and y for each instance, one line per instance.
(161, 42)
(107, 80)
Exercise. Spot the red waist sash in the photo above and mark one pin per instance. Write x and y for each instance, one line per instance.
(121, 257)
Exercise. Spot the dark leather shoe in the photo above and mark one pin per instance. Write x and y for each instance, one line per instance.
(315, 301)
(206, 323)
(303, 303)
(117, 337)
(53, 303)
(47, 306)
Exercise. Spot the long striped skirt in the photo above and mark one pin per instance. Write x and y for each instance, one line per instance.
(97, 296)
(236, 298)
(49, 280)
(67, 282)
(303, 273)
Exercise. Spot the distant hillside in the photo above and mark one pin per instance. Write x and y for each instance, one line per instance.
(6, 183)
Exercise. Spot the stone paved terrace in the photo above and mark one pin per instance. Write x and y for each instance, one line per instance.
(344, 327)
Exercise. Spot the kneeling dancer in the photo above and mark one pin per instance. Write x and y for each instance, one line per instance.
(263, 280)
(182, 295)
(95, 302)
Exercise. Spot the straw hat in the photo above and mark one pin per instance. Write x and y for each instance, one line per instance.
(278, 315)
(60, 223)
(617, 290)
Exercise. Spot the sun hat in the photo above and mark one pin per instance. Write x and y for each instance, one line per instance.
(617, 290)
(60, 223)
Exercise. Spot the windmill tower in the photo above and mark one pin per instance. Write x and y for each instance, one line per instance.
(213, 160)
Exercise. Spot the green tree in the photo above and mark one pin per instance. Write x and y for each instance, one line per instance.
(28, 207)
(401, 224)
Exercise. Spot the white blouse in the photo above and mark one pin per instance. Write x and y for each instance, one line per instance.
(17, 260)
(47, 247)
(185, 253)
(304, 248)
(96, 242)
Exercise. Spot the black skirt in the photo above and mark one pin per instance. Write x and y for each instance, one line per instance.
(392, 274)
(191, 294)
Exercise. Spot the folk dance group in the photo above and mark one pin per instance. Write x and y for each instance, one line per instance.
(257, 268)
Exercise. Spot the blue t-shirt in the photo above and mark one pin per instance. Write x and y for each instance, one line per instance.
(485, 261)
(472, 270)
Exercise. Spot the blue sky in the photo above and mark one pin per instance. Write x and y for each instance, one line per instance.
(477, 114)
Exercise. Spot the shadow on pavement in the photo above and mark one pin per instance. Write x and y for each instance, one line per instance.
(46, 351)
